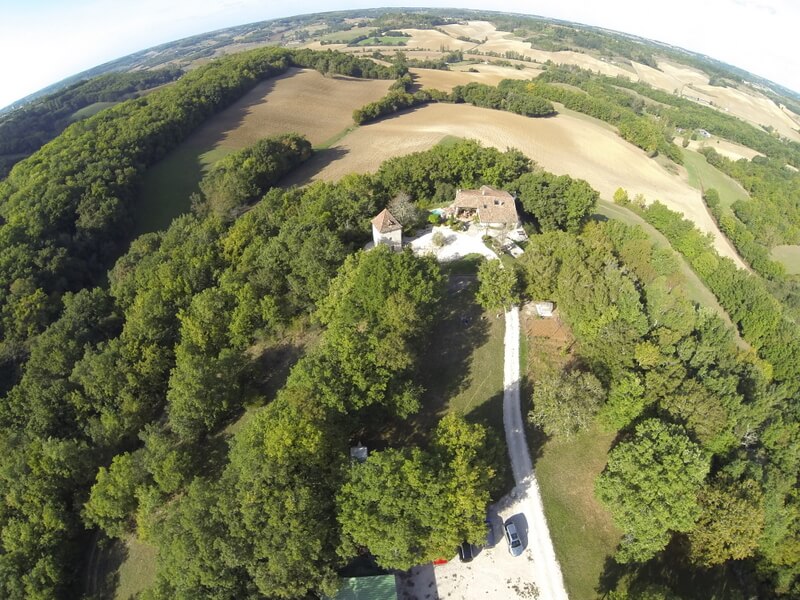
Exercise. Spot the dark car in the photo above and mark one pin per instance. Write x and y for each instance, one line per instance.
(512, 537)
(465, 552)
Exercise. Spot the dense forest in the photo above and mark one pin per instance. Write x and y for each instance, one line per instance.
(27, 129)
(121, 387)
(66, 209)
(137, 380)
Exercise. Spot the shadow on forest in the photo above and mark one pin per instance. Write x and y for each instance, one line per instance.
(102, 576)
(459, 330)
(302, 174)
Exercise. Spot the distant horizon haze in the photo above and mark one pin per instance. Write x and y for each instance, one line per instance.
(45, 41)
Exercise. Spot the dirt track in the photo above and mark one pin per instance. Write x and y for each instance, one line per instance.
(566, 144)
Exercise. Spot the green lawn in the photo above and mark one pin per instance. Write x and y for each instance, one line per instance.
(138, 572)
(789, 256)
(463, 368)
(704, 176)
(167, 186)
(583, 533)
(345, 37)
(88, 111)
(120, 569)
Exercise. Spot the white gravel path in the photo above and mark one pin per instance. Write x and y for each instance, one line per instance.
(545, 567)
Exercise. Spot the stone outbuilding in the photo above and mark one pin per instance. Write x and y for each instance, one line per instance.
(386, 229)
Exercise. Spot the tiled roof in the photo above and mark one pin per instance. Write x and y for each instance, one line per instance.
(492, 205)
(385, 222)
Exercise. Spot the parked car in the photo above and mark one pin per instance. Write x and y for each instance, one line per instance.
(465, 552)
(512, 537)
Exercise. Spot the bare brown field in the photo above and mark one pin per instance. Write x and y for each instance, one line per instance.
(565, 144)
(488, 74)
(272, 107)
(477, 30)
(726, 148)
(432, 39)
(566, 57)
(683, 73)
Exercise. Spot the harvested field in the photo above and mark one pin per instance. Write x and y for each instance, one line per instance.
(316, 45)
(268, 109)
(488, 74)
(752, 107)
(564, 144)
(430, 39)
(477, 30)
(272, 108)
(566, 57)
(728, 149)
(682, 73)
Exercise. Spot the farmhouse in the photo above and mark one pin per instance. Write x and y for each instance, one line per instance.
(489, 206)
(387, 230)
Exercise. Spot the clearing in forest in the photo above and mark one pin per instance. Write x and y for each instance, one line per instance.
(565, 144)
(704, 176)
(583, 533)
(722, 146)
(301, 101)
(789, 256)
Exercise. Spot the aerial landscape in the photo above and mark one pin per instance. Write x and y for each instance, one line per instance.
(401, 304)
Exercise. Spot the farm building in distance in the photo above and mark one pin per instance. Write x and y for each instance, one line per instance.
(387, 230)
(491, 208)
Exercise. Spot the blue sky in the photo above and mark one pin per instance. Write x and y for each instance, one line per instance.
(43, 41)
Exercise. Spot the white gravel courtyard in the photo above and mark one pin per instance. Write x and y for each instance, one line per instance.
(458, 244)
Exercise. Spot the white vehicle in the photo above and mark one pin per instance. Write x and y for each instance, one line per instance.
(514, 543)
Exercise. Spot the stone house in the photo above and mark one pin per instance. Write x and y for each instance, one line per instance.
(489, 207)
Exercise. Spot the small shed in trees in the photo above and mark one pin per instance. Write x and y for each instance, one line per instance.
(544, 309)
(358, 453)
(376, 587)
(386, 229)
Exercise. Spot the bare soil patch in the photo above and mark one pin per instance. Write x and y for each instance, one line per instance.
(564, 144)
(487, 74)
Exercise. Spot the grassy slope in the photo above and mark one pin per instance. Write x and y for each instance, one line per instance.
(88, 111)
(167, 186)
(703, 176)
(789, 256)
(695, 289)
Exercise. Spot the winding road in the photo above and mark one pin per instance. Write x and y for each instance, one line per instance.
(546, 570)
